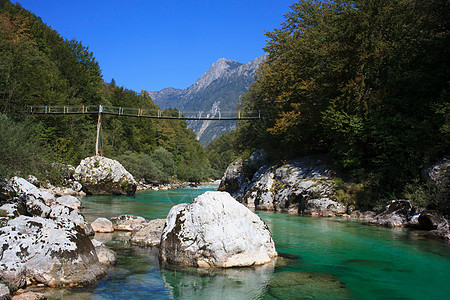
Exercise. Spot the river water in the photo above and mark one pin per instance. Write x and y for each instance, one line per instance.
(322, 259)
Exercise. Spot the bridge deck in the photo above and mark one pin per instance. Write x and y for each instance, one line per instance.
(144, 113)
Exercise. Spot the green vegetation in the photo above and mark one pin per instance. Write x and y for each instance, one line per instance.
(365, 82)
(221, 153)
(39, 67)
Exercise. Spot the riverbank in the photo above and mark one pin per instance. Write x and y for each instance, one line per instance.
(307, 186)
(142, 186)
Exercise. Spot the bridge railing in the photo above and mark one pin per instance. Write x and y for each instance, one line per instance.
(73, 109)
(145, 113)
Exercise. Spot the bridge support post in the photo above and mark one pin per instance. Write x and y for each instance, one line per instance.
(98, 143)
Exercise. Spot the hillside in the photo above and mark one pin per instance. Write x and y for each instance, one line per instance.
(40, 67)
(218, 89)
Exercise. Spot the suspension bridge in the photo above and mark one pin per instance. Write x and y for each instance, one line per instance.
(140, 113)
(145, 113)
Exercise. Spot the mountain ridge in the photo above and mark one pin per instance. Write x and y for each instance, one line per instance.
(218, 89)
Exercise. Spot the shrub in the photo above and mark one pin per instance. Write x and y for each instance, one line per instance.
(20, 151)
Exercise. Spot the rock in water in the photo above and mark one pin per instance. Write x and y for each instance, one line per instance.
(53, 252)
(128, 222)
(297, 285)
(102, 225)
(106, 256)
(215, 231)
(396, 213)
(103, 176)
(149, 235)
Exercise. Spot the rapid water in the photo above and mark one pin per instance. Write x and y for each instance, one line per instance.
(324, 259)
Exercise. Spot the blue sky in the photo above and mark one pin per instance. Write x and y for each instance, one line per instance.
(151, 44)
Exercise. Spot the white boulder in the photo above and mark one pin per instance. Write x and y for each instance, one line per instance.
(103, 176)
(102, 225)
(52, 252)
(215, 231)
(22, 186)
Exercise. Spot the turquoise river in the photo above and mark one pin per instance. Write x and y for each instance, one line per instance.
(321, 259)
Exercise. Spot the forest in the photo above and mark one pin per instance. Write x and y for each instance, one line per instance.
(39, 67)
(365, 83)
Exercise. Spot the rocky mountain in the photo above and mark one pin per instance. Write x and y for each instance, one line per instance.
(217, 90)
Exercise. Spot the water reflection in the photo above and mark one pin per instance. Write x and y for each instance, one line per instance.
(235, 283)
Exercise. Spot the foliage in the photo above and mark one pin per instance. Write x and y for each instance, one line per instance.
(221, 153)
(427, 195)
(365, 81)
(18, 149)
(39, 67)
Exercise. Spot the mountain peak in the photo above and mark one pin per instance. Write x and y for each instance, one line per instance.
(218, 69)
(218, 89)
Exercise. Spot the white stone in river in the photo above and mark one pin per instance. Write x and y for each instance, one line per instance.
(215, 231)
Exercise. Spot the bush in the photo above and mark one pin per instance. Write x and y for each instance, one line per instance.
(427, 195)
(20, 151)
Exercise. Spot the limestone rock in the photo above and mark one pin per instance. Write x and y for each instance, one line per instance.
(69, 215)
(215, 231)
(429, 220)
(439, 173)
(47, 196)
(4, 292)
(69, 201)
(106, 256)
(290, 187)
(396, 213)
(233, 179)
(128, 222)
(30, 296)
(21, 186)
(442, 231)
(148, 235)
(102, 225)
(323, 207)
(36, 207)
(103, 176)
(52, 252)
(33, 180)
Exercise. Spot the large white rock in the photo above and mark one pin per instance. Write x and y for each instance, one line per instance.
(53, 252)
(22, 186)
(103, 176)
(289, 188)
(215, 231)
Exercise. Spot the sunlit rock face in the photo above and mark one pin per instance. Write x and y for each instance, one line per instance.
(215, 231)
(302, 186)
(53, 252)
(103, 176)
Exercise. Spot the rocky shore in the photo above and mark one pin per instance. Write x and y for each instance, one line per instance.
(306, 186)
(45, 240)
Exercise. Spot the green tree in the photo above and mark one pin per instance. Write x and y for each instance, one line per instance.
(361, 80)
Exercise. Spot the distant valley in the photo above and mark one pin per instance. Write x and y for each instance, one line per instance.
(218, 89)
